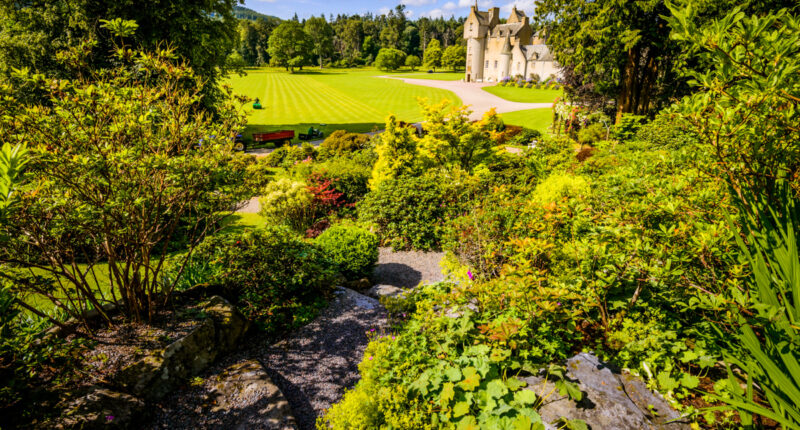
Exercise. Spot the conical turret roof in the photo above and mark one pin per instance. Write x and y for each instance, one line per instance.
(506, 46)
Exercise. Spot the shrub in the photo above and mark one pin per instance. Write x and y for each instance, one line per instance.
(591, 134)
(273, 274)
(559, 186)
(348, 177)
(340, 142)
(666, 132)
(353, 250)
(289, 202)
(628, 126)
(407, 211)
(276, 157)
(126, 178)
(525, 137)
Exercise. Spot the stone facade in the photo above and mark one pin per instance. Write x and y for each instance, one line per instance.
(496, 51)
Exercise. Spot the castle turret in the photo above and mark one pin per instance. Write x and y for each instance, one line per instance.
(476, 29)
(505, 59)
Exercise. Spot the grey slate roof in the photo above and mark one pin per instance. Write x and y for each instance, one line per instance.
(501, 30)
(537, 53)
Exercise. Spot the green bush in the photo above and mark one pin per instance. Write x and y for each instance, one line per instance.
(287, 202)
(665, 132)
(353, 250)
(591, 134)
(406, 211)
(628, 126)
(525, 137)
(340, 142)
(347, 176)
(274, 275)
(276, 157)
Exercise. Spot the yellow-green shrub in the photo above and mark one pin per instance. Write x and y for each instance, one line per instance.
(287, 201)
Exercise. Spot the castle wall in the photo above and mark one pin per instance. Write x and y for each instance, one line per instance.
(543, 68)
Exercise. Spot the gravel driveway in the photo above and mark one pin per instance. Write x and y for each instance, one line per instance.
(472, 94)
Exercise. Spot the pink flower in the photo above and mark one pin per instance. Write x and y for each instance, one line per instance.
(109, 418)
(370, 358)
(469, 273)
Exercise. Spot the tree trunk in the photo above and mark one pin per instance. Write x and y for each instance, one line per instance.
(625, 102)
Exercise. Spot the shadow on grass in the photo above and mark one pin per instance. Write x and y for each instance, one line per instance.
(327, 129)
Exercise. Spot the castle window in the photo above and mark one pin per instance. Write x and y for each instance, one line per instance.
(487, 64)
(495, 64)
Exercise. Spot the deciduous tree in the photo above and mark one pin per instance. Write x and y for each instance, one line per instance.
(433, 55)
(290, 46)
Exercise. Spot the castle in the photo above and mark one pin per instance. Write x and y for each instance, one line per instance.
(496, 51)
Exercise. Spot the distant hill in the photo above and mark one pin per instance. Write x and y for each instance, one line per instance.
(241, 12)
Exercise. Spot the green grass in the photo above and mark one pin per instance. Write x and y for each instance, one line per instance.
(348, 99)
(437, 76)
(536, 119)
(524, 95)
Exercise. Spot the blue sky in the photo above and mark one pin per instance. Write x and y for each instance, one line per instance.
(415, 8)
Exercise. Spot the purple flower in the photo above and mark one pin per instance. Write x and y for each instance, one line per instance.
(109, 418)
(469, 273)
(392, 337)
(559, 303)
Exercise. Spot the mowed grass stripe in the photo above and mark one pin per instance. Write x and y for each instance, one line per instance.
(349, 99)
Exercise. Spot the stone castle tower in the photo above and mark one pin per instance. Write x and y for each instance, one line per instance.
(496, 51)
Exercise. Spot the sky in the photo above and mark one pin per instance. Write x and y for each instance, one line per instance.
(414, 8)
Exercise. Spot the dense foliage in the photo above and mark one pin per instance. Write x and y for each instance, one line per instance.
(353, 250)
(275, 276)
(119, 161)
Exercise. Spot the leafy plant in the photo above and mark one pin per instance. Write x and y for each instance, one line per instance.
(352, 249)
(116, 174)
(766, 345)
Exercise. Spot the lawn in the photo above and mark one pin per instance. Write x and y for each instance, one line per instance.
(349, 99)
(437, 76)
(536, 119)
(524, 95)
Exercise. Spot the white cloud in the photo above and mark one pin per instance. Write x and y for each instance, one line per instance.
(435, 13)
(417, 2)
(528, 6)
(483, 4)
(450, 6)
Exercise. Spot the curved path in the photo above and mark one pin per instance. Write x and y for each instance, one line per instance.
(473, 95)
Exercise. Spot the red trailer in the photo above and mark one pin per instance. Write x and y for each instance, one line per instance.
(278, 137)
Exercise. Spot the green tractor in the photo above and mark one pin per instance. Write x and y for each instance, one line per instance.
(257, 104)
(312, 134)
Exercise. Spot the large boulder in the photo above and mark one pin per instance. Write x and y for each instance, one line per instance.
(611, 400)
(156, 375)
(102, 408)
(247, 385)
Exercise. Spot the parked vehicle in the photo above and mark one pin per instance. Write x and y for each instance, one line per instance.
(281, 137)
(312, 134)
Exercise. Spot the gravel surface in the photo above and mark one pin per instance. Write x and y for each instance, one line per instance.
(312, 368)
(472, 95)
(408, 268)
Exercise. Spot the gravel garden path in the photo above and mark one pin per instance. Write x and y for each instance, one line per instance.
(312, 367)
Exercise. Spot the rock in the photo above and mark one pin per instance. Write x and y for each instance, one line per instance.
(247, 383)
(102, 408)
(156, 375)
(358, 299)
(378, 291)
(230, 324)
(611, 400)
